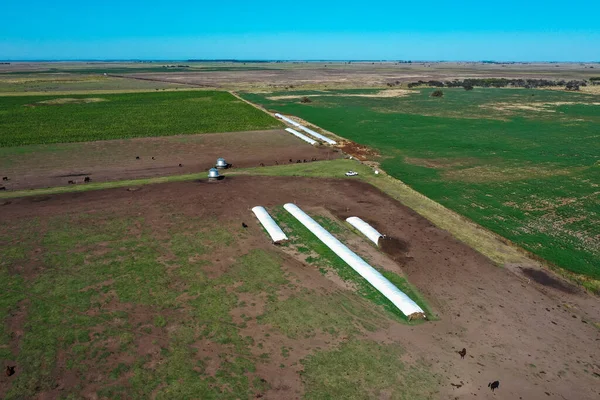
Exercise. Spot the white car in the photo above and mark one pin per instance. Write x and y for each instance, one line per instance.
(351, 173)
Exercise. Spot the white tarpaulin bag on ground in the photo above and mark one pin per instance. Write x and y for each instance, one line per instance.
(305, 129)
(388, 289)
(270, 225)
(317, 135)
(365, 229)
(301, 136)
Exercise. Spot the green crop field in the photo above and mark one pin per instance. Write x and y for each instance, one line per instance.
(522, 163)
(28, 120)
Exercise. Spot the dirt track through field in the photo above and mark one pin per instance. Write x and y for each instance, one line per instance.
(112, 160)
(537, 340)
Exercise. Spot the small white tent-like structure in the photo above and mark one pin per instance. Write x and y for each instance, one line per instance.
(269, 224)
(404, 303)
(365, 229)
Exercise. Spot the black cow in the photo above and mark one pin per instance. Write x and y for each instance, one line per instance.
(494, 385)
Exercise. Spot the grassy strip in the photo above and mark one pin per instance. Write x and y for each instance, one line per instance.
(319, 169)
(327, 260)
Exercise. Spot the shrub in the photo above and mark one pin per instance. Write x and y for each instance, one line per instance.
(437, 93)
(572, 85)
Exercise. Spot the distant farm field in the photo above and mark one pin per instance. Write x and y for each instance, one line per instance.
(522, 163)
(26, 120)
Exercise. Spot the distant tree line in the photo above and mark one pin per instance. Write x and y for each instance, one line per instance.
(469, 84)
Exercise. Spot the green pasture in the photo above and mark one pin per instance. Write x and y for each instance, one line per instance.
(522, 163)
(28, 120)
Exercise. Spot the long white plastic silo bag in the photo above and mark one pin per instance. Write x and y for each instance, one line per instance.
(301, 136)
(286, 119)
(389, 290)
(317, 135)
(270, 225)
(365, 229)
(305, 129)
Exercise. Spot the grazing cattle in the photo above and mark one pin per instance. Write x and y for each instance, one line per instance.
(137, 157)
(462, 353)
(314, 159)
(291, 160)
(71, 182)
(494, 385)
(276, 162)
(244, 225)
(5, 178)
(87, 179)
(304, 160)
(298, 161)
(2, 188)
(10, 371)
(262, 165)
(181, 165)
(153, 158)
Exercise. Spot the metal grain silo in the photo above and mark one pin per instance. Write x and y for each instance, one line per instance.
(221, 163)
(213, 174)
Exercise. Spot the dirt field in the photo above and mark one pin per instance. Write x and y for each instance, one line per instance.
(537, 339)
(366, 74)
(286, 74)
(45, 166)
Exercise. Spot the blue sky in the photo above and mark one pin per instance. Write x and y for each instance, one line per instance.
(524, 30)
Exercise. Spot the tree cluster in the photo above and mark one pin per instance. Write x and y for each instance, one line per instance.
(469, 84)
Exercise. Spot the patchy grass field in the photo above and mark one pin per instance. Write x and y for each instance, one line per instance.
(167, 300)
(523, 163)
(29, 120)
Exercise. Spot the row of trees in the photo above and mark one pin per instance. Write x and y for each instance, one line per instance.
(469, 84)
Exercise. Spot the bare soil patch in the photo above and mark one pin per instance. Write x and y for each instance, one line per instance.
(506, 323)
(543, 278)
(395, 248)
(390, 93)
(534, 106)
(365, 74)
(112, 160)
(356, 150)
(66, 100)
